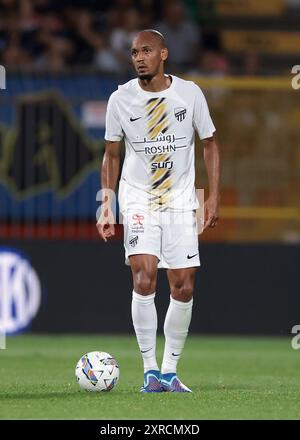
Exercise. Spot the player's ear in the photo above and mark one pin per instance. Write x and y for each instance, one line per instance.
(164, 53)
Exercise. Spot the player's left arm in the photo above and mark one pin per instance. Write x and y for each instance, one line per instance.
(212, 164)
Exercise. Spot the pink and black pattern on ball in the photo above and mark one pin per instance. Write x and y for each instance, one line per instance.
(109, 361)
(111, 385)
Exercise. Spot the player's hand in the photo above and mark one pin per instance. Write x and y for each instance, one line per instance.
(211, 212)
(106, 224)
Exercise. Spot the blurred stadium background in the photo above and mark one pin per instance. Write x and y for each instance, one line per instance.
(63, 59)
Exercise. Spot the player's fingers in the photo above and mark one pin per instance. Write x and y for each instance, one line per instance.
(109, 230)
(206, 218)
(207, 223)
(100, 227)
(214, 222)
(103, 236)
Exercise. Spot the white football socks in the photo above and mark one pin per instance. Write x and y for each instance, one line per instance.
(176, 328)
(144, 319)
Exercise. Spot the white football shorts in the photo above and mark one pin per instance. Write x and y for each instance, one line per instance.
(171, 236)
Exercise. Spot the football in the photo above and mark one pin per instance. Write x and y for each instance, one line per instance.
(97, 371)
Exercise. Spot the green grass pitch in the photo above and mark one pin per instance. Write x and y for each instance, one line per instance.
(231, 378)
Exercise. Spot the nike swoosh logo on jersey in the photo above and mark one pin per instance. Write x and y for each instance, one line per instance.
(134, 119)
(173, 354)
(191, 256)
(145, 351)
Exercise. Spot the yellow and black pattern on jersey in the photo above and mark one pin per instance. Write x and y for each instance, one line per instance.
(157, 115)
(161, 181)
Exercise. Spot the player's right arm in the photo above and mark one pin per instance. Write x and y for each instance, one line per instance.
(109, 176)
(110, 168)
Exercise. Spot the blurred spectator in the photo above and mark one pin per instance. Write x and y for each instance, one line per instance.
(8, 6)
(147, 20)
(121, 38)
(113, 19)
(14, 56)
(202, 11)
(58, 34)
(106, 61)
(82, 33)
(123, 5)
(151, 12)
(214, 63)
(252, 64)
(182, 37)
(56, 48)
(294, 5)
(28, 18)
(211, 63)
(9, 28)
(53, 60)
(55, 54)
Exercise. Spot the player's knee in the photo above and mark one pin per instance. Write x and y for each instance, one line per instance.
(144, 283)
(183, 292)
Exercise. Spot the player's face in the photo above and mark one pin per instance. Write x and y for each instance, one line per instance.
(147, 56)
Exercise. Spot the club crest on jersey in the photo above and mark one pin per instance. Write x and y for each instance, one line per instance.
(180, 113)
(133, 239)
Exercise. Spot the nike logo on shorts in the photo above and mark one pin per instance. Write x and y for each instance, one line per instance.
(191, 256)
(134, 119)
(173, 354)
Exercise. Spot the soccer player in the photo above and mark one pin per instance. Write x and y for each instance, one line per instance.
(157, 115)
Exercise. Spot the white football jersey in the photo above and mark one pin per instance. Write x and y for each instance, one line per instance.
(159, 131)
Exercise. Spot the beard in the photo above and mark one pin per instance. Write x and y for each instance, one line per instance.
(146, 77)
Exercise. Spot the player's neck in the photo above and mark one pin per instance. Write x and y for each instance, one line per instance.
(156, 84)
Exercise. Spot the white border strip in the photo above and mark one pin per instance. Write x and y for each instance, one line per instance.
(2, 341)
(2, 77)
